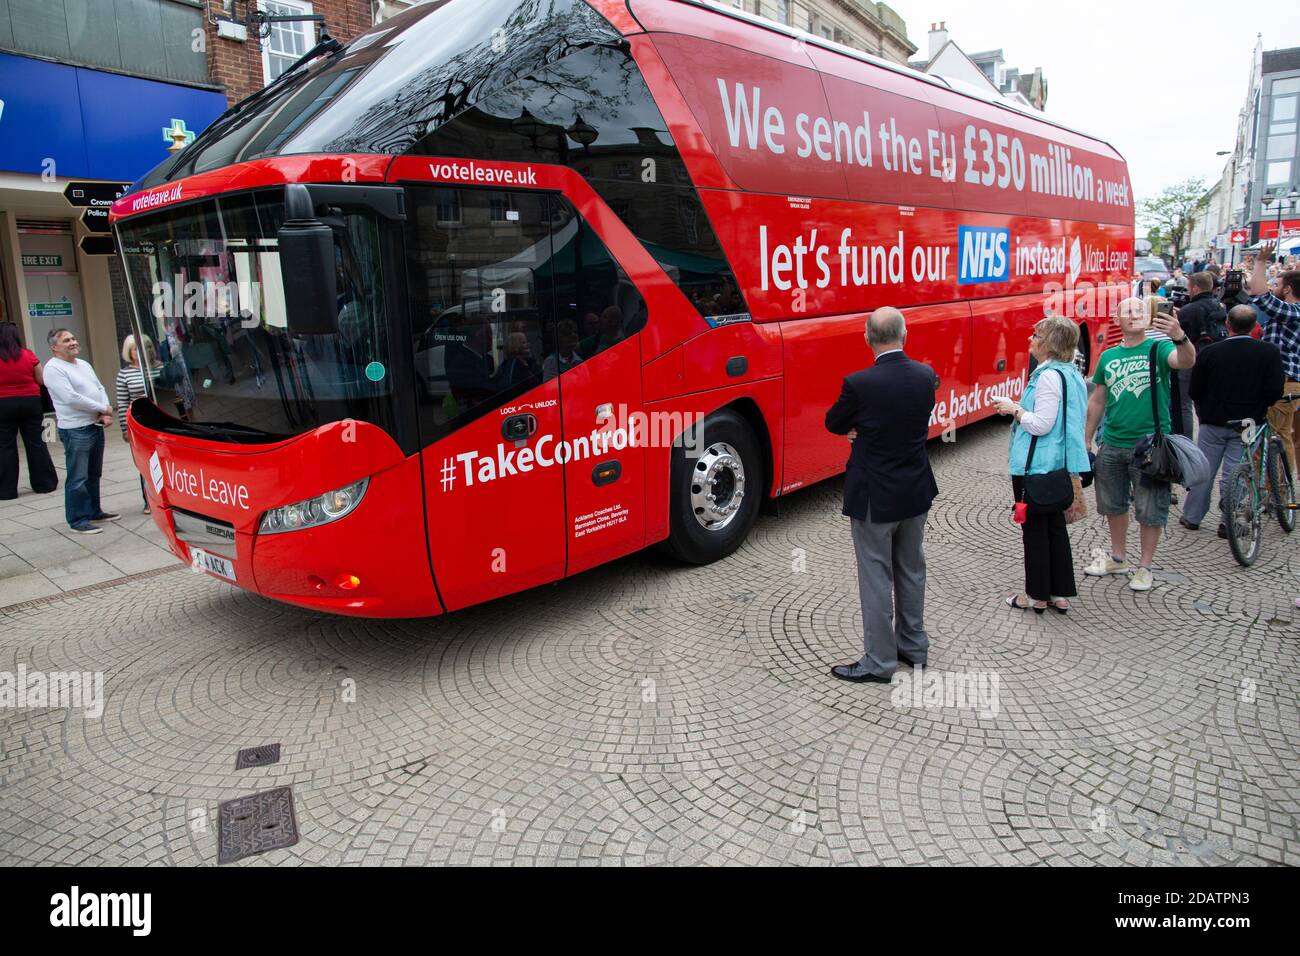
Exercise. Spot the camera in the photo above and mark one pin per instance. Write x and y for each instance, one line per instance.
(1178, 296)
(1233, 281)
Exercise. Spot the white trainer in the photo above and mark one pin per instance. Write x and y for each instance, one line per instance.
(1141, 580)
(1103, 564)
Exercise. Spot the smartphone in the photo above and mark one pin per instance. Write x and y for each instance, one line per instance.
(1165, 308)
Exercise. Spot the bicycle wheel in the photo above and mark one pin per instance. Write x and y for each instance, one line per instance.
(1281, 486)
(1241, 517)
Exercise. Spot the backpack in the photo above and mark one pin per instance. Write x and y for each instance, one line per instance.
(1214, 328)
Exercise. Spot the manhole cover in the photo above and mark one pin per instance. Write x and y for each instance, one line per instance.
(262, 756)
(254, 824)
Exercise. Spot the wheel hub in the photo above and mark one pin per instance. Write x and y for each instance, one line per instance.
(717, 486)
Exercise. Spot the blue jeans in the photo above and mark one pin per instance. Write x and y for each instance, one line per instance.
(84, 455)
(1219, 444)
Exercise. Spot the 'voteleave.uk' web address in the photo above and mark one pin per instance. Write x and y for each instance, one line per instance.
(474, 173)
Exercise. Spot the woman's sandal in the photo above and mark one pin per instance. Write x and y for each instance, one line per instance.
(1059, 605)
(1014, 602)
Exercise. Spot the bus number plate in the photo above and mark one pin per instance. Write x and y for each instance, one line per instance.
(213, 564)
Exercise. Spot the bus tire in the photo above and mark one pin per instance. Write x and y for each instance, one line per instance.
(715, 496)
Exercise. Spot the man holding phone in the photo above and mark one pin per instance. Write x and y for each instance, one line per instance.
(1279, 316)
(1123, 378)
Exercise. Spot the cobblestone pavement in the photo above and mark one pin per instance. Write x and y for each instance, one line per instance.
(40, 556)
(645, 713)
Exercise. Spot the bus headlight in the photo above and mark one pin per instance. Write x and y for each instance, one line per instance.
(314, 511)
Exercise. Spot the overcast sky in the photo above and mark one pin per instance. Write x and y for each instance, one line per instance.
(1161, 82)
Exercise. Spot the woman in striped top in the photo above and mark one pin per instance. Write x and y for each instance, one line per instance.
(130, 386)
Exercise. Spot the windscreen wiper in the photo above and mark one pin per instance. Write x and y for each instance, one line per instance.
(327, 46)
(226, 431)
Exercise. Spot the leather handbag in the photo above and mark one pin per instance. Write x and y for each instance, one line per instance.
(1053, 492)
(1079, 510)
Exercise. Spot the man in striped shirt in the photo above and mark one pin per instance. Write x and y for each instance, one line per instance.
(1279, 316)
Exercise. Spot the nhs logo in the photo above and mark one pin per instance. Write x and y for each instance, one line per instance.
(983, 254)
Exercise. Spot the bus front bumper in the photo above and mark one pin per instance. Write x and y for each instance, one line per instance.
(208, 500)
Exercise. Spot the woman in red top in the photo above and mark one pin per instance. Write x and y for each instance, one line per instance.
(21, 411)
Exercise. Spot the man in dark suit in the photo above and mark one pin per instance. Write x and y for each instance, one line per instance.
(887, 493)
(1238, 378)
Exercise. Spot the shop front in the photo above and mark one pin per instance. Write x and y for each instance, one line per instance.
(69, 136)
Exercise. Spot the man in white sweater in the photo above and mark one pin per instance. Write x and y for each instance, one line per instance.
(82, 411)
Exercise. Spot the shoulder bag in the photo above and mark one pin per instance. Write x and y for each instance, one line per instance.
(1153, 455)
(1053, 492)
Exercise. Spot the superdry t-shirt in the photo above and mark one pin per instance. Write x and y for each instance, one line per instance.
(1125, 373)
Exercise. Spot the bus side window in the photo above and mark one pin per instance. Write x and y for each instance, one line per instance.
(596, 305)
(475, 261)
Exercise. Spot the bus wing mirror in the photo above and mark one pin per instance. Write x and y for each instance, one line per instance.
(307, 266)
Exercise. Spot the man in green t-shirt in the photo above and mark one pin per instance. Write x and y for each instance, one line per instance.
(1123, 393)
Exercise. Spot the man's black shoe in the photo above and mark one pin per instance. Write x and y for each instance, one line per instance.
(904, 659)
(854, 673)
(1188, 525)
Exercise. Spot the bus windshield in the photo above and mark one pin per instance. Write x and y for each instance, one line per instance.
(208, 300)
(390, 87)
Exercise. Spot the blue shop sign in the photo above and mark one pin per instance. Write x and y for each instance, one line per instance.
(91, 124)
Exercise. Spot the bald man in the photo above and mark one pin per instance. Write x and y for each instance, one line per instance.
(887, 493)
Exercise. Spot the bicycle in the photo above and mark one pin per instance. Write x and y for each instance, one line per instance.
(1261, 485)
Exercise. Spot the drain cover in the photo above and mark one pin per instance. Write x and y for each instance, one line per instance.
(262, 756)
(256, 823)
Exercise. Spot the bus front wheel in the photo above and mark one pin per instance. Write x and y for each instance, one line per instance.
(717, 480)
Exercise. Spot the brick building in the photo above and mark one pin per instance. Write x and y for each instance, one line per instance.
(865, 25)
(242, 59)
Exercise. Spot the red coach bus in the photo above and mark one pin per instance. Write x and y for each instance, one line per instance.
(427, 318)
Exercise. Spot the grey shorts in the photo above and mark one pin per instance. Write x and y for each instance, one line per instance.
(1119, 486)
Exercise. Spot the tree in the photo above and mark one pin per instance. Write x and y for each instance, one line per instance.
(1172, 214)
(1157, 239)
